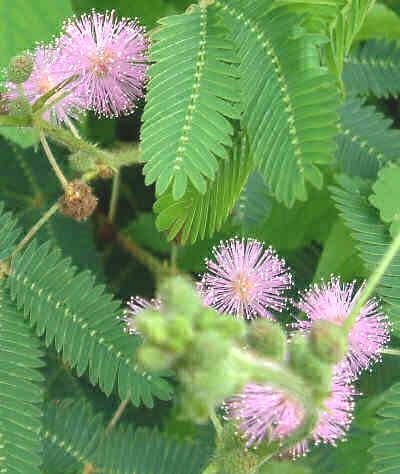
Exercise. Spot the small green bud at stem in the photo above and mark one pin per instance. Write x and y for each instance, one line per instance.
(20, 68)
(328, 341)
(268, 338)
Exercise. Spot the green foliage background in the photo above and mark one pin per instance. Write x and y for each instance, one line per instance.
(325, 216)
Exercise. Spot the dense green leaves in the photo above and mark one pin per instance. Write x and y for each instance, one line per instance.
(366, 140)
(385, 449)
(21, 393)
(9, 233)
(344, 30)
(81, 319)
(193, 91)
(290, 116)
(74, 437)
(71, 436)
(373, 68)
(372, 240)
(196, 216)
(386, 197)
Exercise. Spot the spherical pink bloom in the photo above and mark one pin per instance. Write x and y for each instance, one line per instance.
(245, 280)
(48, 72)
(135, 306)
(333, 302)
(261, 412)
(265, 414)
(109, 56)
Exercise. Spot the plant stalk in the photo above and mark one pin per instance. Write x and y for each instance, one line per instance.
(53, 161)
(39, 224)
(117, 415)
(114, 196)
(373, 282)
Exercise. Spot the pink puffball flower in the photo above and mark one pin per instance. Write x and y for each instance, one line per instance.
(333, 302)
(265, 414)
(109, 57)
(48, 72)
(135, 306)
(245, 280)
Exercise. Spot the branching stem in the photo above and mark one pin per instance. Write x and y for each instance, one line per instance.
(53, 161)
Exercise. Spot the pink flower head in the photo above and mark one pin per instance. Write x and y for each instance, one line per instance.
(48, 72)
(109, 56)
(333, 302)
(263, 413)
(135, 306)
(245, 280)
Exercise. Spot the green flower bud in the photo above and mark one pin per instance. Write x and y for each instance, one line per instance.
(180, 334)
(20, 68)
(19, 107)
(328, 341)
(268, 338)
(81, 162)
(154, 358)
(304, 362)
(230, 328)
(179, 296)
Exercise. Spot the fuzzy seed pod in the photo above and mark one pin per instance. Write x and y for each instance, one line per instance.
(78, 201)
(20, 68)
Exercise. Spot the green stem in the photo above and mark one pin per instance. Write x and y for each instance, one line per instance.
(114, 197)
(39, 224)
(215, 421)
(174, 258)
(72, 127)
(373, 282)
(53, 161)
(390, 351)
(117, 414)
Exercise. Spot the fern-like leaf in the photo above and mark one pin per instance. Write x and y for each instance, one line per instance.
(9, 233)
(74, 436)
(365, 140)
(196, 216)
(193, 92)
(373, 68)
(71, 436)
(372, 240)
(254, 204)
(290, 101)
(69, 309)
(21, 394)
(144, 451)
(385, 449)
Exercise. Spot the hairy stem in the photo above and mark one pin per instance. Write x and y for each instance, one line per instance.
(117, 414)
(39, 224)
(114, 196)
(215, 421)
(373, 282)
(72, 127)
(53, 161)
(390, 351)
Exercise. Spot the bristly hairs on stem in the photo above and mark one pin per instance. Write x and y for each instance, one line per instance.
(52, 160)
